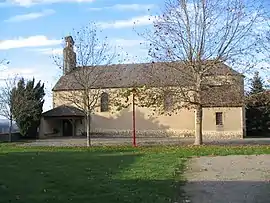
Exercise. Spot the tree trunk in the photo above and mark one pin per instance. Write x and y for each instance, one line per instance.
(198, 125)
(88, 120)
(10, 130)
(134, 120)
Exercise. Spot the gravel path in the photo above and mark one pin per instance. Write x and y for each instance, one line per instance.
(97, 141)
(228, 179)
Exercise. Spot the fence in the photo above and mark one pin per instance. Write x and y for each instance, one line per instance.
(4, 137)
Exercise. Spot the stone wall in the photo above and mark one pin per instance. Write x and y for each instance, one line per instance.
(160, 133)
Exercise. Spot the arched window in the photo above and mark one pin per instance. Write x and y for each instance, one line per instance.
(104, 102)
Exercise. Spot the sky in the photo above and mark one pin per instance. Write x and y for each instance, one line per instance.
(31, 32)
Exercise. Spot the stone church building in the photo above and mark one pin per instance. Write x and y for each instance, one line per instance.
(222, 118)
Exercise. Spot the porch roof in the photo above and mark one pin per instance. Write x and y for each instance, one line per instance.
(64, 111)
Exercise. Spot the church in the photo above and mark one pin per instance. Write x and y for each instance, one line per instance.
(222, 119)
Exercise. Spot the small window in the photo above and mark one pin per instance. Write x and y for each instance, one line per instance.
(104, 107)
(219, 118)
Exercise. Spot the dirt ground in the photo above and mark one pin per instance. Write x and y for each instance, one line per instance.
(228, 179)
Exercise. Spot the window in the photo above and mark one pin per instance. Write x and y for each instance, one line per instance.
(104, 103)
(219, 118)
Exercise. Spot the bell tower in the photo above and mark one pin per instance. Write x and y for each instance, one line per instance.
(69, 56)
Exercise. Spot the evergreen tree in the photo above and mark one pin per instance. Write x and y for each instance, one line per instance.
(257, 85)
(27, 112)
(258, 111)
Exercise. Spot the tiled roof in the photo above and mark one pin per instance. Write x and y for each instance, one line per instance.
(64, 111)
(130, 75)
(155, 75)
(223, 96)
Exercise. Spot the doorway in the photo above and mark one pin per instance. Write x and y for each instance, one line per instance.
(67, 128)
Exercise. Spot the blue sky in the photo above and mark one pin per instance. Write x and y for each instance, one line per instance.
(31, 31)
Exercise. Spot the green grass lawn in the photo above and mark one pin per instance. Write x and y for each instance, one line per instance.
(99, 175)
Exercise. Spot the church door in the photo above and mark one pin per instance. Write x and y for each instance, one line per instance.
(67, 128)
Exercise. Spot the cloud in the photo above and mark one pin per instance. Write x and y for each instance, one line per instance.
(30, 16)
(127, 42)
(27, 73)
(139, 21)
(32, 41)
(126, 7)
(28, 3)
(47, 74)
(49, 78)
(50, 51)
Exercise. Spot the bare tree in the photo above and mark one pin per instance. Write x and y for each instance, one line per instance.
(7, 101)
(84, 70)
(265, 43)
(194, 40)
(3, 61)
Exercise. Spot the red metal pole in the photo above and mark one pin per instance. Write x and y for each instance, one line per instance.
(133, 120)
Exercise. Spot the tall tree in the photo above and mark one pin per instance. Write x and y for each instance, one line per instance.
(257, 107)
(84, 69)
(28, 104)
(7, 98)
(257, 84)
(201, 35)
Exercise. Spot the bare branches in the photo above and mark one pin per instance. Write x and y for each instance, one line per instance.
(85, 60)
(6, 97)
(91, 49)
(203, 30)
(202, 35)
(195, 40)
(93, 55)
(7, 100)
(3, 62)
